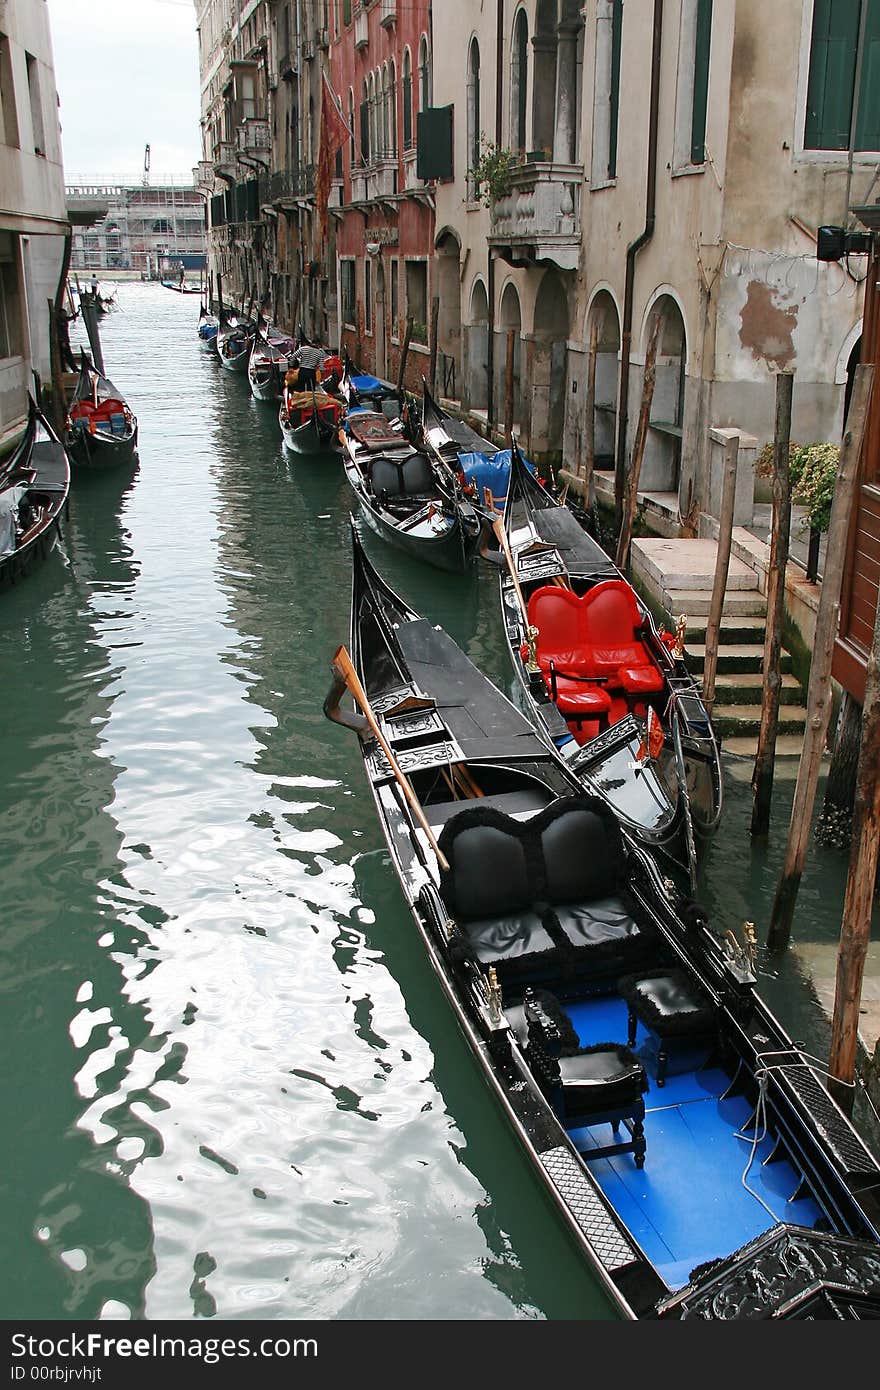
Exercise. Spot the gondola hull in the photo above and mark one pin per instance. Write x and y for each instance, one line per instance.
(648, 1159)
(100, 450)
(310, 438)
(41, 459)
(101, 430)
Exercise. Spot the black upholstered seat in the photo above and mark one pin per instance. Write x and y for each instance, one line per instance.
(671, 1006)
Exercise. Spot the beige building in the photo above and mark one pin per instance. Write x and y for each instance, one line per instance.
(673, 158)
(33, 220)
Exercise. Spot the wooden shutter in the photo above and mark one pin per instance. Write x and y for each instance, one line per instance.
(832, 74)
(434, 143)
(702, 47)
(868, 118)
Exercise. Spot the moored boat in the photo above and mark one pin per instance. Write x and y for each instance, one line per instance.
(689, 1147)
(268, 363)
(233, 342)
(406, 496)
(101, 430)
(207, 326)
(34, 489)
(600, 676)
(484, 467)
(309, 421)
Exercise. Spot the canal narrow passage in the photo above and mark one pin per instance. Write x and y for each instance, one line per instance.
(230, 1084)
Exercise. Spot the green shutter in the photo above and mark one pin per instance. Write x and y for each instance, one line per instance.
(832, 74)
(434, 143)
(868, 118)
(614, 97)
(701, 81)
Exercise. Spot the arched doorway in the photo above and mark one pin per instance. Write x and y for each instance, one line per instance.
(508, 392)
(661, 467)
(548, 366)
(603, 314)
(449, 319)
(475, 351)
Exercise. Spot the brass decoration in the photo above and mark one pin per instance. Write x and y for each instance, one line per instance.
(750, 938)
(680, 631)
(493, 995)
(532, 641)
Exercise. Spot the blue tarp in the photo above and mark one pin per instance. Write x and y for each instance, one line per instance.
(367, 385)
(490, 471)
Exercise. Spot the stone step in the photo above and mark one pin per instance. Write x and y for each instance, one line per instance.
(686, 565)
(734, 629)
(738, 656)
(740, 751)
(745, 687)
(741, 720)
(696, 602)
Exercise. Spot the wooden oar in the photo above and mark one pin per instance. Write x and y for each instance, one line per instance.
(498, 528)
(342, 665)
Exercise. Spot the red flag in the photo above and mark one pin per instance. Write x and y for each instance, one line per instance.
(334, 133)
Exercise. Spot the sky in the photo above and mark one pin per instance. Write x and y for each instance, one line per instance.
(127, 73)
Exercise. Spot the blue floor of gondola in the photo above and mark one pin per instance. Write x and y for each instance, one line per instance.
(688, 1204)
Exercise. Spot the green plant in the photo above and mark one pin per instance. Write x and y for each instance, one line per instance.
(813, 470)
(492, 171)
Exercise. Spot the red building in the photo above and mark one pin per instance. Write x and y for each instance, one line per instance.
(380, 70)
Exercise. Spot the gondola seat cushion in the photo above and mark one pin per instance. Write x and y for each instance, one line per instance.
(605, 1076)
(611, 625)
(557, 615)
(668, 1003)
(579, 700)
(583, 862)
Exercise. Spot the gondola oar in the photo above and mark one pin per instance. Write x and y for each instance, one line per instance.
(342, 665)
(529, 629)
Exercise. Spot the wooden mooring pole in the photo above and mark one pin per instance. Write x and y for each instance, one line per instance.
(722, 569)
(508, 387)
(855, 931)
(631, 498)
(819, 692)
(404, 353)
(435, 325)
(762, 777)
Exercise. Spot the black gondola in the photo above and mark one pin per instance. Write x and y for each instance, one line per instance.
(268, 363)
(34, 489)
(101, 430)
(691, 1149)
(408, 498)
(600, 676)
(233, 342)
(309, 421)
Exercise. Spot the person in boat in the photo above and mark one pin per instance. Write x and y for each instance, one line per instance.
(94, 287)
(308, 360)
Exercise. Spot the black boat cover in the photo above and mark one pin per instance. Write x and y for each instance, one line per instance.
(580, 553)
(50, 465)
(467, 439)
(482, 721)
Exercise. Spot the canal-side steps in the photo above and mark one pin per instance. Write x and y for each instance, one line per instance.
(677, 575)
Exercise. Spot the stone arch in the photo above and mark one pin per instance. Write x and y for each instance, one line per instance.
(661, 467)
(844, 357)
(519, 81)
(509, 331)
(548, 367)
(604, 313)
(447, 244)
(475, 349)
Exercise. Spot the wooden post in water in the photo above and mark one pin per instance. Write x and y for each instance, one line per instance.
(59, 404)
(722, 568)
(404, 353)
(508, 387)
(219, 295)
(819, 693)
(631, 497)
(435, 322)
(589, 434)
(762, 777)
(855, 931)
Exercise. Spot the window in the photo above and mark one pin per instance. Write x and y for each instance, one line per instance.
(424, 75)
(346, 275)
(407, 102)
(473, 114)
(33, 77)
(692, 98)
(386, 115)
(519, 72)
(831, 86)
(417, 300)
(8, 115)
(365, 125)
(351, 126)
(10, 300)
(392, 96)
(702, 41)
(395, 299)
(346, 11)
(368, 295)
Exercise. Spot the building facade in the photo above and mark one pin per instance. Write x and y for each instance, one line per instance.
(33, 220)
(144, 227)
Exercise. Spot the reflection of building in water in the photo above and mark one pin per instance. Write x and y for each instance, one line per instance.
(32, 216)
(147, 229)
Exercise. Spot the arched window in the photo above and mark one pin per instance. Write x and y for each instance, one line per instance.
(424, 75)
(371, 102)
(519, 70)
(337, 172)
(352, 150)
(407, 101)
(473, 112)
(365, 123)
(386, 114)
(392, 96)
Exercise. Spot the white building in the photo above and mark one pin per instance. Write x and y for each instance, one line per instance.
(33, 220)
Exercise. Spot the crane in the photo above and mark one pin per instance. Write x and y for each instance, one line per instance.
(146, 178)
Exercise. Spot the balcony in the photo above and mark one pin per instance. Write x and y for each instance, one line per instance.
(291, 186)
(382, 179)
(224, 160)
(203, 176)
(361, 28)
(539, 218)
(388, 14)
(253, 139)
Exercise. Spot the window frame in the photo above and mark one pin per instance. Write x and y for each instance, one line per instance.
(351, 263)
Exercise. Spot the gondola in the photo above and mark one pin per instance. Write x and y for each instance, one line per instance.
(408, 498)
(207, 326)
(689, 1147)
(34, 488)
(181, 289)
(610, 689)
(267, 364)
(233, 342)
(101, 431)
(309, 421)
(483, 466)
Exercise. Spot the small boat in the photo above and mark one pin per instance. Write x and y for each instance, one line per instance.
(101, 430)
(34, 488)
(233, 342)
(609, 688)
(207, 326)
(181, 289)
(268, 362)
(360, 388)
(484, 467)
(688, 1146)
(309, 421)
(407, 497)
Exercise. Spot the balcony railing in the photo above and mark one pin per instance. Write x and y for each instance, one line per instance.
(361, 28)
(253, 137)
(388, 13)
(291, 183)
(224, 159)
(203, 174)
(541, 213)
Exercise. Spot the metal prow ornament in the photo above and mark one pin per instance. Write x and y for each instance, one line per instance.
(680, 632)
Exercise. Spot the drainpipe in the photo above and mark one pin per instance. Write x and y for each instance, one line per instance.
(631, 252)
(499, 90)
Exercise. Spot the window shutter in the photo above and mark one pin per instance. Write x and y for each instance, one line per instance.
(832, 74)
(868, 119)
(614, 98)
(701, 81)
(365, 131)
(434, 143)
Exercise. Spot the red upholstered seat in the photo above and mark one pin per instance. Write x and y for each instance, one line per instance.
(578, 701)
(612, 619)
(558, 616)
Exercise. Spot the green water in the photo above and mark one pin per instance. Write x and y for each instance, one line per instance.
(230, 1084)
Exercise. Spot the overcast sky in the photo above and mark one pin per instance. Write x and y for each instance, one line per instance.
(128, 75)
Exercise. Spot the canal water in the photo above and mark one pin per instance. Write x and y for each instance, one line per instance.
(230, 1084)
